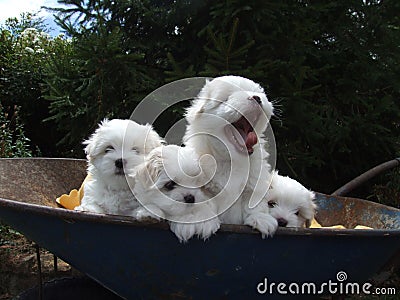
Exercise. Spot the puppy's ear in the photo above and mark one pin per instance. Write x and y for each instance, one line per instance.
(88, 148)
(193, 111)
(91, 144)
(104, 122)
(271, 179)
(210, 96)
(150, 170)
(92, 141)
(152, 140)
(308, 212)
(312, 203)
(202, 99)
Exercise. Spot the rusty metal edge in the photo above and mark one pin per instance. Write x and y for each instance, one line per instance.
(43, 158)
(73, 216)
(364, 177)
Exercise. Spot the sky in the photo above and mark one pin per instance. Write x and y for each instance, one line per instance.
(13, 8)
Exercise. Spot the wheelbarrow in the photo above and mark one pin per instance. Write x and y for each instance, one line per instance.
(139, 260)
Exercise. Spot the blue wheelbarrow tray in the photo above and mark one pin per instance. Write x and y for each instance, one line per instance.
(143, 260)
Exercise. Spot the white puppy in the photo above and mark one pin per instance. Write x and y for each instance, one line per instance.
(168, 185)
(227, 120)
(114, 150)
(291, 204)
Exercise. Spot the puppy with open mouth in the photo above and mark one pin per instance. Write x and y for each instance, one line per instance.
(168, 186)
(227, 121)
(114, 150)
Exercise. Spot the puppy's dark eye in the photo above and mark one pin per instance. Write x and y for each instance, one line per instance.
(297, 213)
(109, 149)
(170, 185)
(271, 203)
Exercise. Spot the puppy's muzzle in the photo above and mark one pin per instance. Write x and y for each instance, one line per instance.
(119, 166)
(189, 199)
(282, 222)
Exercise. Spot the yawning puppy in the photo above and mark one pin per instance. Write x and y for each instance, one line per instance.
(291, 204)
(114, 150)
(227, 121)
(169, 186)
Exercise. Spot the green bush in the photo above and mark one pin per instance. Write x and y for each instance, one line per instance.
(92, 79)
(387, 190)
(13, 142)
(25, 50)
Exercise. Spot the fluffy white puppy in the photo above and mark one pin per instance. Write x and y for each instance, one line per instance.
(291, 204)
(227, 121)
(114, 150)
(168, 186)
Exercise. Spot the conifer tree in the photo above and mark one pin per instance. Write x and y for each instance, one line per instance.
(330, 67)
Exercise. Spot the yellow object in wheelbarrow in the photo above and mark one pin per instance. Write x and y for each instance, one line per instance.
(74, 198)
(315, 224)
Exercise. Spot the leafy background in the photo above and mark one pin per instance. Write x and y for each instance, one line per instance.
(331, 68)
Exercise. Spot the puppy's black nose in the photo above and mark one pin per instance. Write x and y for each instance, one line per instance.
(255, 98)
(282, 222)
(119, 163)
(189, 198)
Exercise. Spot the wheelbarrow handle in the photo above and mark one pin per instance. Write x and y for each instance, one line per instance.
(351, 185)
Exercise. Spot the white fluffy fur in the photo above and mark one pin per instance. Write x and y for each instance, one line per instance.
(114, 150)
(170, 175)
(241, 176)
(291, 204)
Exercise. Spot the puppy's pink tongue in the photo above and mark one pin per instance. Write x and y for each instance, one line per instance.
(251, 140)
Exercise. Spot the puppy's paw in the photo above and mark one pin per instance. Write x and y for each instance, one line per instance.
(207, 228)
(79, 208)
(89, 208)
(263, 222)
(183, 231)
(143, 215)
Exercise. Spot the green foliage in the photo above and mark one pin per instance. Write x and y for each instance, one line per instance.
(223, 54)
(13, 142)
(387, 191)
(16, 26)
(106, 77)
(333, 68)
(25, 49)
(113, 62)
